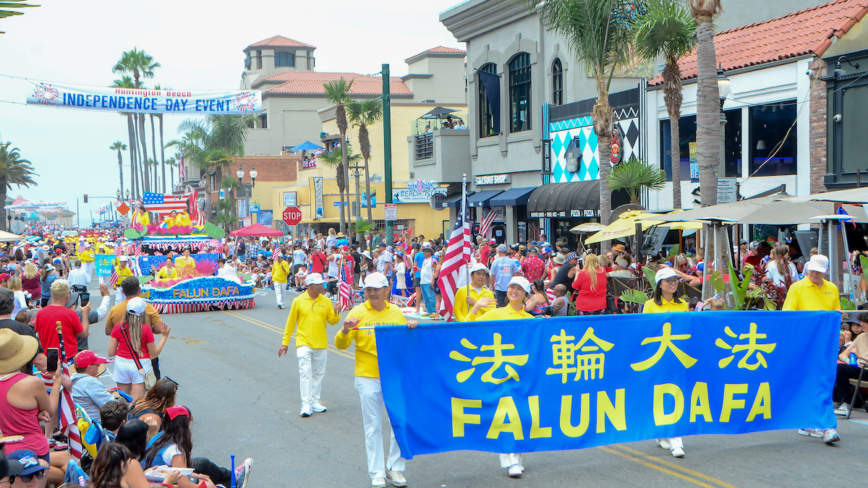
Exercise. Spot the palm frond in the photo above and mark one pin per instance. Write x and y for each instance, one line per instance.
(666, 30)
(634, 175)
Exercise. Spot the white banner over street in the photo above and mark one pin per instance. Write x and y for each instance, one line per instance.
(145, 101)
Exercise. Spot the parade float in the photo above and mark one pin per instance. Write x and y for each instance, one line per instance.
(196, 288)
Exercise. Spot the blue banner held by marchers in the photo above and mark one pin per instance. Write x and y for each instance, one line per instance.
(578, 382)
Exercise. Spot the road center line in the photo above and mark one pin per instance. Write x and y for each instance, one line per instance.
(673, 465)
(272, 328)
(658, 468)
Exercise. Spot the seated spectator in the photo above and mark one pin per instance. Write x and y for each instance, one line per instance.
(141, 343)
(843, 391)
(151, 408)
(23, 317)
(113, 414)
(115, 467)
(27, 470)
(714, 304)
(621, 269)
(134, 436)
(560, 305)
(299, 278)
(173, 446)
(87, 390)
(538, 300)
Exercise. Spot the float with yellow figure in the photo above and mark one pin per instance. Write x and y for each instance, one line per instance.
(180, 250)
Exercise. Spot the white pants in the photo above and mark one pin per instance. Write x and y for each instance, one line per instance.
(311, 369)
(88, 267)
(103, 280)
(279, 292)
(371, 396)
(675, 443)
(119, 295)
(508, 460)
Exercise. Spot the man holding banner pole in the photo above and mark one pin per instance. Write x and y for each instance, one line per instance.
(359, 328)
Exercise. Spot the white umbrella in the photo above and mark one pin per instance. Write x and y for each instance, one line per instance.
(855, 195)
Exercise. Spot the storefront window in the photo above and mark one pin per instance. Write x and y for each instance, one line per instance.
(519, 93)
(486, 114)
(773, 146)
(687, 135)
(854, 129)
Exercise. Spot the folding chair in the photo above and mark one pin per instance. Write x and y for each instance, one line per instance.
(857, 383)
(404, 301)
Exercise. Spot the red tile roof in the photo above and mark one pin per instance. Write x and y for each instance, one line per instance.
(311, 83)
(279, 41)
(439, 50)
(809, 31)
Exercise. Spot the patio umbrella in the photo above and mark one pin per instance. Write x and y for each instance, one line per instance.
(438, 112)
(588, 227)
(306, 146)
(787, 212)
(625, 226)
(856, 195)
(8, 237)
(255, 230)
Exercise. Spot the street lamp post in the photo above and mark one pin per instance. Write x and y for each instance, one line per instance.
(248, 188)
(723, 88)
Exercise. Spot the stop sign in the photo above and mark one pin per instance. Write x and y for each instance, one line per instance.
(292, 215)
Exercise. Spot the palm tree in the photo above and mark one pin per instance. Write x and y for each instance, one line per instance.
(13, 171)
(668, 30)
(634, 175)
(599, 35)
(172, 163)
(154, 149)
(12, 4)
(231, 185)
(337, 93)
(162, 147)
(708, 99)
(363, 114)
(335, 160)
(120, 146)
(127, 82)
(140, 65)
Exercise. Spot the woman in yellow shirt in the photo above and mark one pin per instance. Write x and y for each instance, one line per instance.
(168, 271)
(374, 312)
(141, 217)
(185, 264)
(517, 293)
(666, 301)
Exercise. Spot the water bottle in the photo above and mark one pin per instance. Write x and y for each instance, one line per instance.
(853, 360)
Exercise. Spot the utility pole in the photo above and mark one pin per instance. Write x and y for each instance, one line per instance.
(77, 215)
(387, 146)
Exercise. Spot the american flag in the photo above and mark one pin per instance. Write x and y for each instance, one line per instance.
(163, 204)
(485, 225)
(181, 171)
(345, 292)
(457, 255)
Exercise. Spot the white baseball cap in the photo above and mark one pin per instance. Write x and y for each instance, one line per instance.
(313, 279)
(522, 282)
(136, 306)
(664, 273)
(124, 259)
(818, 263)
(376, 280)
(478, 267)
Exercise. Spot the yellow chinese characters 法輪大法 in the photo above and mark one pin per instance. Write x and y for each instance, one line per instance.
(666, 342)
(751, 347)
(588, 363)
(497, 360)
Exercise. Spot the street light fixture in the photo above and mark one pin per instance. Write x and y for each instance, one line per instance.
(128, 194)
(724, 90)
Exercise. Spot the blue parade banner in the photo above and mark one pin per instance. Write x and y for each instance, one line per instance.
(578, 382)
(104, 264)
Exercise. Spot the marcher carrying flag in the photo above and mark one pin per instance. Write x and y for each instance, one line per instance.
(457, 256)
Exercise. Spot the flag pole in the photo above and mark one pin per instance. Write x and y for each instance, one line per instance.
(464, 209)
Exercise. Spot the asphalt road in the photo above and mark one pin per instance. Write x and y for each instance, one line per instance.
(245, 401)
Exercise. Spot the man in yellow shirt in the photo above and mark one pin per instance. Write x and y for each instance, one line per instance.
(168, 271)
(85, 255)
(279, 277)
(185, 264)
(374, 312)
(123, 271)
(464, 301)
(813, 292)
(310, 312)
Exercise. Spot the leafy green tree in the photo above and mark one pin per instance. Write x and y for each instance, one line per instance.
(231, 185)
(634, 175)
(668, 31)
(6, 4)
(337, 93)
(599, 34)
(14, 170)
(363, 114)
(120, 147)
(138, 64)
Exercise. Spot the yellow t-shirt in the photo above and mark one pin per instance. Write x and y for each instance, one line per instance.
(123, 273)
(310, 315)
(666, 307)
(279, 272)
(805, 295)
(367, 365)
(502, 313)
(183, 220)
(182, 262)
(166, 274)
(85, 256)
(461, 309)
(143, 218)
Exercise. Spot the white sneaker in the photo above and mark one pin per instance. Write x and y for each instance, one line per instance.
(397, 478)
(242, 473)
(378, 483)
(515, 471)
(664, 443)
(830, 436)
(305, 411)
(318, 408)
(843, 410)
(678, 452)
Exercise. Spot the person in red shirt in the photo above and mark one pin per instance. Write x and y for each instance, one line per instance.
(318, 260)
(73, 327)
(532, 266)
(126, 372)
(590, 284)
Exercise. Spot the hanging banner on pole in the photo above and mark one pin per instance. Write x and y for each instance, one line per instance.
(144, 101)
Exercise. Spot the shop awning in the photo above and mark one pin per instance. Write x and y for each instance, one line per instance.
(482, 198)
(575, 199)
(513, 197)
(452, 200)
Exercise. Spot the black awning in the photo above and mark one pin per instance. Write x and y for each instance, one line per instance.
(453, 200)
(482, 198)
(576, 199)
(513, 197)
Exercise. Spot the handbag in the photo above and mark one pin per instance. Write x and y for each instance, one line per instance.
(150, 376)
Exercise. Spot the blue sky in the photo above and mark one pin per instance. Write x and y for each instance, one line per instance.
(199, 47)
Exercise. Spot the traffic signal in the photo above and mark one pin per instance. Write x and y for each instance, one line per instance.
(85, 198)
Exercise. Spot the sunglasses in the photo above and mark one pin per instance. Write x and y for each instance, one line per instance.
(27, 478)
